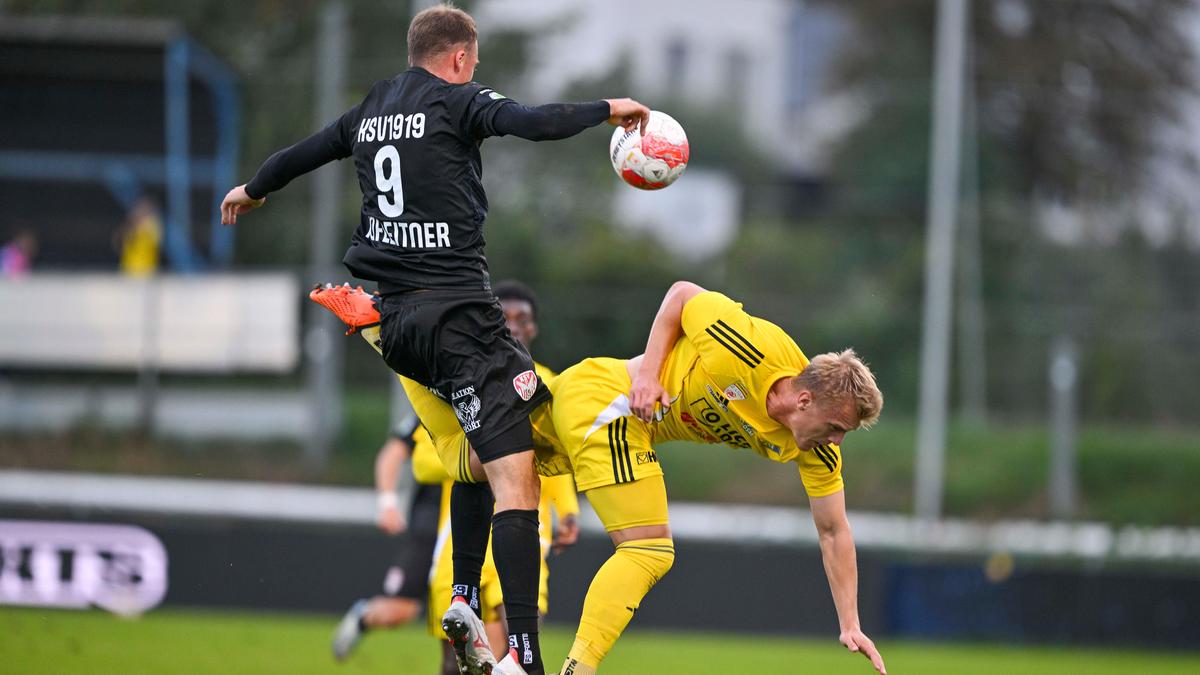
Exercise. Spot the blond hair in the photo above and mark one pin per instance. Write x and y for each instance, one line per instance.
(836, 377)
(438, 29)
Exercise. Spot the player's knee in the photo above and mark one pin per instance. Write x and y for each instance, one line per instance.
(514, 481)
(654, 556)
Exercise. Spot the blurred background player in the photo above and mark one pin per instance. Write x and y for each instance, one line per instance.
(139, 239)
(16, 256)
(415, 141)
(711, 373)
(406, 584)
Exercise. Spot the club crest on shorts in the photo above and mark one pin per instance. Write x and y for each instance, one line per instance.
(526, 384)
(466, 407)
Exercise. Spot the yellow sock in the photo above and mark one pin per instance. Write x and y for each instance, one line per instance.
(614, 596)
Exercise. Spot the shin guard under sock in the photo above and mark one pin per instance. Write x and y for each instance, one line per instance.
(471, 506)
(615, 594)
(517, 551)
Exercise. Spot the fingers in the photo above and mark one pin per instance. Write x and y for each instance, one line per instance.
(872, 654)
(863, 645)
(644, 413)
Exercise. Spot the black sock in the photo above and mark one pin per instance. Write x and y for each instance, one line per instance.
(471, 506)
(517, 550)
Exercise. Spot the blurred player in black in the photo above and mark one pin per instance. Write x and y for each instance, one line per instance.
(406, 584)
(415, 141)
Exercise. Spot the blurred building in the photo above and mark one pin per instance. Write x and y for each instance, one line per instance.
(762, 61)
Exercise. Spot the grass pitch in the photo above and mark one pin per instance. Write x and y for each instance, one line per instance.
(199, 641)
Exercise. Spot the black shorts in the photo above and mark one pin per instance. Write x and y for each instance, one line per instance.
(408, 577)
(456, 343)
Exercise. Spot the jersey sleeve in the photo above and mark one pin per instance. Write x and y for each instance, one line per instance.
(549, 122)
(560, 491)
(333, 142)
(723, 334)
(821, 470)
(474, 107)
(406, 428)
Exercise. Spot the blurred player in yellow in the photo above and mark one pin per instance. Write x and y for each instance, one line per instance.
(441, 449)
(711, 373)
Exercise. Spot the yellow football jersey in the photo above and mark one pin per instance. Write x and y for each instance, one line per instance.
(719, 373)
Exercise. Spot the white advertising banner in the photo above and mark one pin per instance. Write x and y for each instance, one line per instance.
(199, 323)
(120, 568)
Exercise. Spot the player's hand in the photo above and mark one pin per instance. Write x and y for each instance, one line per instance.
(857, 641)
(644, 394)
(567, 533)
(236, 202)
(391, 520)
(628, 113)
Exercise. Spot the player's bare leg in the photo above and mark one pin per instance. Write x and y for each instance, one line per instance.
(364, 615)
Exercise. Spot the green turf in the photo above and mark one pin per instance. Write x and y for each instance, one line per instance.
(176, 641)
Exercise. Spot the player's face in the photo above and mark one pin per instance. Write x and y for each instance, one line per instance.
(814, 422)
(518, 314)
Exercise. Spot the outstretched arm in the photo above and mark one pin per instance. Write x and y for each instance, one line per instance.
(328, 144)
(646, 389)
(555, 121)
(841, 568)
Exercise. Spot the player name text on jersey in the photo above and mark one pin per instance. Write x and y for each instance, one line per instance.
(409, 235)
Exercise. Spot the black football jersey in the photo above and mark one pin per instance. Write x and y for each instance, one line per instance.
(415, 141)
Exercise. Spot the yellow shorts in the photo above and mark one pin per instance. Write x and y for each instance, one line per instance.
(637, 504)
(605, 443)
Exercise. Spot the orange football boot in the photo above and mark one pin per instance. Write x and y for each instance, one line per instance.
(354, 306)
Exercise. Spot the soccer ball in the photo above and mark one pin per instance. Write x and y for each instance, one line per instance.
(653, 161)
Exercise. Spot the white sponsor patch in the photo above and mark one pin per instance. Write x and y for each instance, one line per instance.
(466, 407)
(525, 384)
(734, 393)
(722, 402)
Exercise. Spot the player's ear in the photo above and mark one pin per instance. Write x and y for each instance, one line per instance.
(804, 399)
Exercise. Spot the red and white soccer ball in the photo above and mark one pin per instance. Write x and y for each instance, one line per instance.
(653, 161)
